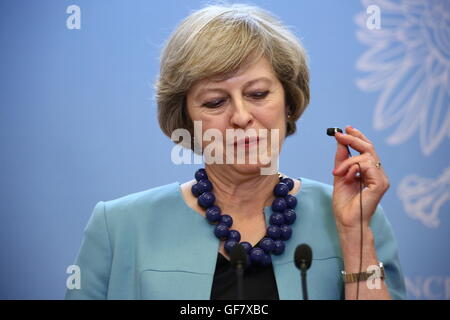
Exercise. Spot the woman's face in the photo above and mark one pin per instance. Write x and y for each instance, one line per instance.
(253, 98)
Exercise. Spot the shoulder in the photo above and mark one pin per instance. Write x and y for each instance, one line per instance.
(315, 190)
(146, 197)
(135, 207)
(315, 204)
(315, 185)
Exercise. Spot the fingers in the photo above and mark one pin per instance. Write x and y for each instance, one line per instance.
(355, 142)
(355, 132)
(362, 164)
(358, 141)
(345, 165)
(352, 173)
(341, 154)
(361, 167)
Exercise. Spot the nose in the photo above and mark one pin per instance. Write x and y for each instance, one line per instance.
(241, 116)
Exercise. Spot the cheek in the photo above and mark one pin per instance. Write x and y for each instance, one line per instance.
(272, 115)
(273, 119)
(213, 125)
(216, 123)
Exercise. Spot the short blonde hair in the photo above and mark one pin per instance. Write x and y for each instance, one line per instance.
(216, 41)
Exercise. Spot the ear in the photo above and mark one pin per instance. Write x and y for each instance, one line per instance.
(288, 111)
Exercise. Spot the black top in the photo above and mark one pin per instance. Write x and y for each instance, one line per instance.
(259, 282)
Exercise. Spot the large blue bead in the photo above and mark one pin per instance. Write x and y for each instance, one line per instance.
(277, 219)
(206, 199)
(274, 232)
(196, 190)
(278, 247)
(289, 216)
(256, 255)
(291, 201)
(289, 182)
(213, 214)
(286, 232)
(205, 185)
(229, 244)
(267, 245)
(234, 235)
(266, 260)
(279, 205)
(221, 231)
(280, 190)
(226, 220)
(200, 174)
(247, 246)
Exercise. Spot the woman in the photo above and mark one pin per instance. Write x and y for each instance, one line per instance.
(237, 67)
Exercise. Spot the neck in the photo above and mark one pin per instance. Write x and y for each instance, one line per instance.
(241, 194)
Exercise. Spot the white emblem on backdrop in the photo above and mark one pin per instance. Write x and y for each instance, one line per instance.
(422, 198)
(408, 62)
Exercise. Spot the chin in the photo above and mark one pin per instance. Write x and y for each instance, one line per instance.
(249, 168)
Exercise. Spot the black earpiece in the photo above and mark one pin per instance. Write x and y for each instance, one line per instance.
(332, 131)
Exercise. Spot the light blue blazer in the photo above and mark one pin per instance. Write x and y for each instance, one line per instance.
(151, 245)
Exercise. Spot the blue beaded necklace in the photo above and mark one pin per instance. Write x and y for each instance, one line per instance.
(283, 215)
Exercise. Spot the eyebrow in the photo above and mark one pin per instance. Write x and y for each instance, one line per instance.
(247, 84)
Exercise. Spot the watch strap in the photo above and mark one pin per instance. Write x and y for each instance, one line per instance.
(363, 276)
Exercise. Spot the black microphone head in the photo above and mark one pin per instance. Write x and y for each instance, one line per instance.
(332, 131)
(238, 256)
(303, 256)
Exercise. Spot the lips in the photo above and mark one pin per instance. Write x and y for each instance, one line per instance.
(246, 141)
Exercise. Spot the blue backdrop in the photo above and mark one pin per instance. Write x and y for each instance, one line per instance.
(78, 121)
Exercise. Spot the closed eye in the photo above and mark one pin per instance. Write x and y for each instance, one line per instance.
(214, 103)
(259, 95)
(218, 102)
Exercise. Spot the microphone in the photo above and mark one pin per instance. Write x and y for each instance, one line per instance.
(303, 260)
(238, 260)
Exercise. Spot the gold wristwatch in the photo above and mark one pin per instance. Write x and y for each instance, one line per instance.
(363, 276)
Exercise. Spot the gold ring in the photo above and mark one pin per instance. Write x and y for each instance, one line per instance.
(378, 165)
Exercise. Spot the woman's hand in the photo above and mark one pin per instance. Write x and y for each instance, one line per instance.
(346, 201)
(346, 207)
